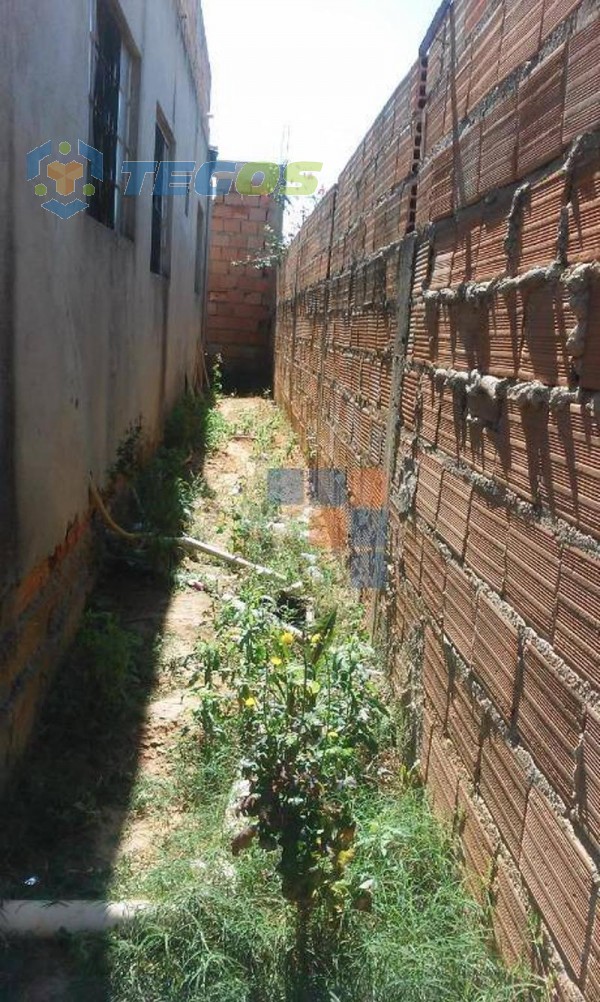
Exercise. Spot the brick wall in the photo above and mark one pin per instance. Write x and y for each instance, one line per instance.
(437, 322)
(241, 297)
(37, 623)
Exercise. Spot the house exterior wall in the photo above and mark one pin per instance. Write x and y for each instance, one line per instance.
(241, 296)
(437, 342)
(92, 340)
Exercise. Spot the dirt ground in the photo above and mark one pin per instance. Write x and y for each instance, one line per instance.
(176, 621)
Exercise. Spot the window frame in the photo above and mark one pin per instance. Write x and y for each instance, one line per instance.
(120, 216)
(162, 205)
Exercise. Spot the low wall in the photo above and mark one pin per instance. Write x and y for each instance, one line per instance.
(241, 296)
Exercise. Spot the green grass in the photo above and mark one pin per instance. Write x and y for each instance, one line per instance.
(222, 931)
(226, 933)
(163, 489)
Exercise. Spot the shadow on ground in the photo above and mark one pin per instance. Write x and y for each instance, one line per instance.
(64, 814)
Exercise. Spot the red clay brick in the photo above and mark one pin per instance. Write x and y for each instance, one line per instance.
(458, 98)
(453, 514)
(329, 527)
(504, 787)
(442, 184)
(540, 223)
(466, 251)
(582, 96)
(410, 386)
(428, 488)
(584, 224)
(592, 983)
(556, 11)
(560, 876)
(419, 346)
(577, 634)
(540, 114)
(590, 808)
(436, 677)
(491, 255)
(366, 486)
(470, 336)
(427, 731)
(521, 34)
(411, 555)
(522, 449)
(486, 540)
(460, 605)
(478, 848)
(465, 717)
(451, 423)
(499, 146)
(435, 114)
(506, 333)
(441, 320)
(467, 170)
(430, 409)
(441, 777)
(510, 920)
(441, 272)
(495, 655)
(590, 362)
(433, 578)
(532, 569)
(474, 12)
(546, 330)
(573, 448)
(550, 721)
(486, 56)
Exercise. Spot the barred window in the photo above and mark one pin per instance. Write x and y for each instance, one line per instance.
(113, 91)
(160, 251)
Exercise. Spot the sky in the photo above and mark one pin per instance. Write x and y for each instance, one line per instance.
(305, 80)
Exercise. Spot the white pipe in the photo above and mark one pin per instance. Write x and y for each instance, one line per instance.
(196, 546)
(49, 918)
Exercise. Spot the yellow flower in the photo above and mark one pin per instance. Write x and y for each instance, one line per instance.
(345, 856)
(333, 735)
(315, 639)
(276, 661)
(287, 639)
(250, 702)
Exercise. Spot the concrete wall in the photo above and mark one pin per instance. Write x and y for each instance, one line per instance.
(441, 333)
(93, 340)
(241, 297)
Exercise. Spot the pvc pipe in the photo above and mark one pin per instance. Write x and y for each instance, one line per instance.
(48, 918)
(186, 542)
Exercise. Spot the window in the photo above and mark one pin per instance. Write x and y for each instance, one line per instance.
(200, 255)
(113, 84)
(161, 204)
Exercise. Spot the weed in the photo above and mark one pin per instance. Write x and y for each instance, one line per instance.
(351, 830)
(166, 488)
(129, 452)
(79, 762)
(224, 931)
(107, 656)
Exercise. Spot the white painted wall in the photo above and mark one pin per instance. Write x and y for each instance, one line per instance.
(98, 340)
